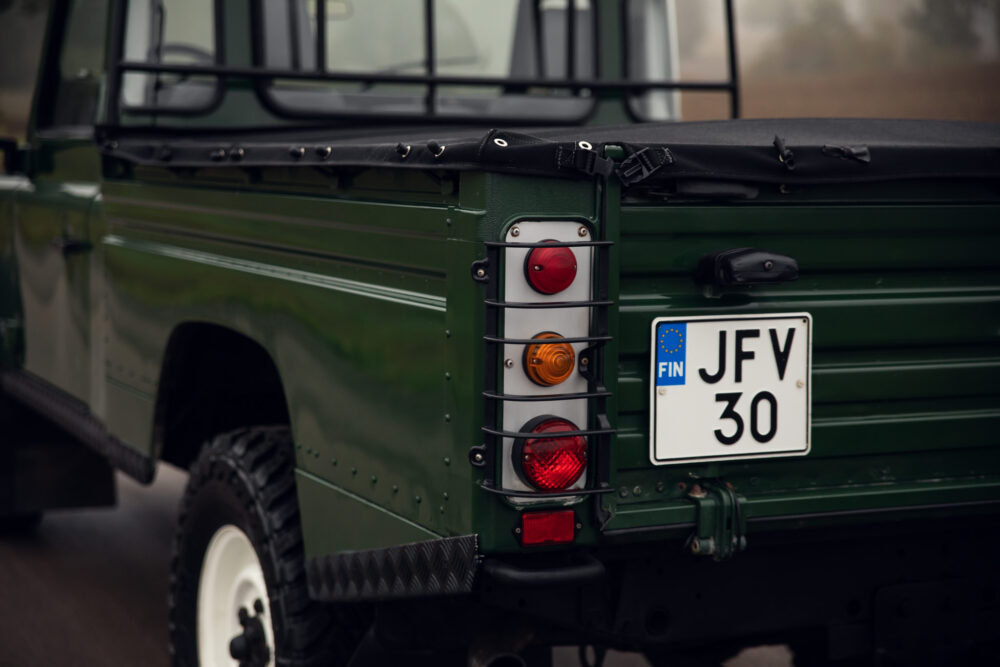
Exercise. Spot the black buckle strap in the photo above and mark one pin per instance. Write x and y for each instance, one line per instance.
(642, 164)
(857, 153)
(585, 160)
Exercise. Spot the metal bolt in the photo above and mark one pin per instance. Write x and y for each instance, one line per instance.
(445, 495)
(447, 375)
(374, 479)
(517, 531)
(584, 361)
(800, 384)
(662, 391)
(768, 265)
(514, 231)
(509, 363)
(447, 460)
(323, 151)
(623, 492)
(480, 273)
(659, 487)
(695, 545)
(582, 231)
(237, 154)
(447, 418)
(637, 491)
(297, 151)
(418, 499)
(579, 526)
(478, 457)
(395, 488)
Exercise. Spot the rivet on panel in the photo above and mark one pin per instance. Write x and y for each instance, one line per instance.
(447, 460)
(514, 231)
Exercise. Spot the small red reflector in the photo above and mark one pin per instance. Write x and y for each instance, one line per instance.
(548, 527)
(550, 270)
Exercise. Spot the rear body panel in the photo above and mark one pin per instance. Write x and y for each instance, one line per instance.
(905, 301)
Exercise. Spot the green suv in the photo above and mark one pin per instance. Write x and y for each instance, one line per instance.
(471, 350)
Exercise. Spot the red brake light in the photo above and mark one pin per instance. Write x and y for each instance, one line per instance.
(548, 527)
(550, 270)
(550, 462)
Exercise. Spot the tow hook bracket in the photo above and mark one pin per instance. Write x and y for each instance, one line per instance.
(720, 532)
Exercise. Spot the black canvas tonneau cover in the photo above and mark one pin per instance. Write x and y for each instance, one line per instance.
(802, 151)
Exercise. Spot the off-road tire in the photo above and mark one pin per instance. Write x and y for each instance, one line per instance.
(246, 478)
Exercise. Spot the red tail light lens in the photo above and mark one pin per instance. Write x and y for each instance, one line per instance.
(550, 462)
(550, 270)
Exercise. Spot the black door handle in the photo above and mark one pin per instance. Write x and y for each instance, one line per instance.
(746, 266)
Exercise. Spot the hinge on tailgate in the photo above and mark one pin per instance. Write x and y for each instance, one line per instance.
(721, 521)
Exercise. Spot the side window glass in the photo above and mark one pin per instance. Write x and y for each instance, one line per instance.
(80, 68)
(170, 32)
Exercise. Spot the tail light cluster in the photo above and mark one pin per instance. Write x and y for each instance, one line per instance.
(546, 428)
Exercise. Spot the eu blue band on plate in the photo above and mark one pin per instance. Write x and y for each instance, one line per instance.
(671, 353)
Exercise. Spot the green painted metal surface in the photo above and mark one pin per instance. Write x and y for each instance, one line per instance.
(357, 286)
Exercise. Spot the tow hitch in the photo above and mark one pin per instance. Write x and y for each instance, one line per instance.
(721, 522)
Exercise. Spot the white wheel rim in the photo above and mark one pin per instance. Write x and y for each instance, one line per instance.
(231, 577)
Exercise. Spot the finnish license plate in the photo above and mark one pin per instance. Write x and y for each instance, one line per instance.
(727, 388)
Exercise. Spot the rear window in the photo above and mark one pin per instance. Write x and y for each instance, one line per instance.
(407, 48)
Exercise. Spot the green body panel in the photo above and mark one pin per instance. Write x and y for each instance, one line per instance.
(905, 302)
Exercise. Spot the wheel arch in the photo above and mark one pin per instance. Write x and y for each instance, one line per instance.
(213, 379)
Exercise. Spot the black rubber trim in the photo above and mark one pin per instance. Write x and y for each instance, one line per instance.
(74, 416)
(445, 566)
(588, 570)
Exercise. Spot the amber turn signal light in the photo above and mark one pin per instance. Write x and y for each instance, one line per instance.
(548, 364)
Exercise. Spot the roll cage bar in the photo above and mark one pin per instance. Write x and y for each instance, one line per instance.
(259, 76)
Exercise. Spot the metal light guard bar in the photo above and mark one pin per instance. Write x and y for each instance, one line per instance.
(596, 392)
